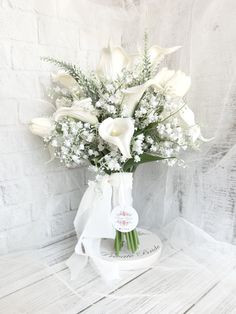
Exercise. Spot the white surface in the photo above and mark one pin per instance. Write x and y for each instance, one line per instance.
(147, 254)
(197, 277)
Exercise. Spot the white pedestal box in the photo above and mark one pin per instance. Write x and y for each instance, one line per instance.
(148, 253)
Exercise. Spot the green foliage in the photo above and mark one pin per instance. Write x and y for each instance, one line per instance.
(131, 165)
(146, 69)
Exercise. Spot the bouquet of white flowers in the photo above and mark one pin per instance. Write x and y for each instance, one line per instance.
(126, 113)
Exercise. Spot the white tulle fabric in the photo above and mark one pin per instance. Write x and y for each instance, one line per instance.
(204, 192)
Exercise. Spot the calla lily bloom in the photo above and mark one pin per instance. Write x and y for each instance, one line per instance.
(187, 116)
(132, 96)
(112, 61)
(118, 132)
(179, 84)
(162, 77)
(176, 83)
(64, 79)
(41, 126)
(157, 53)
(77, 111)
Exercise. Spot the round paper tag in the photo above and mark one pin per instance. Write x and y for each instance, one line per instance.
(124, 218)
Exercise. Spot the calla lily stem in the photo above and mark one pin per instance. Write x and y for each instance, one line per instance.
(132, 241)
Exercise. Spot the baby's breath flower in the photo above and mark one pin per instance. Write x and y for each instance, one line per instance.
(158, 127)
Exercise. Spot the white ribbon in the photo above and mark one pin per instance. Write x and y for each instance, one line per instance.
(93, 222)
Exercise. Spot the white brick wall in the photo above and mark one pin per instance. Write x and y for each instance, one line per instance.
(38, 201)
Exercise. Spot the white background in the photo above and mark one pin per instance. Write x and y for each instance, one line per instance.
(38, 201)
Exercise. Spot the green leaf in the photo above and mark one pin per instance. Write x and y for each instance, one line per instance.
(131, 165)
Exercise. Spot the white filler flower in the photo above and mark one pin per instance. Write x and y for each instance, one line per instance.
(118, 132)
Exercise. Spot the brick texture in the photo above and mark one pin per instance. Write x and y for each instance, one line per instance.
(39, 200)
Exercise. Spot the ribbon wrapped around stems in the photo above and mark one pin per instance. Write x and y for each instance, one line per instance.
(93, 222)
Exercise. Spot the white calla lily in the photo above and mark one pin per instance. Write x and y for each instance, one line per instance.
(112, 61)
(118, 132)
(41, 126)
(176, 83)
(162, 77)
(195, 132)
(203, 139)
(187, 116)
(179, 83)
(132, 96)
(77, 111)
(64, 79)
(157, 53)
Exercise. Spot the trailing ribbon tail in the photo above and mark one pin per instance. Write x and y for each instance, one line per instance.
(92, 223)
